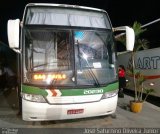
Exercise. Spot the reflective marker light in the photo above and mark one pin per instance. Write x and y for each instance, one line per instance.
(49, 76)
(151, 84)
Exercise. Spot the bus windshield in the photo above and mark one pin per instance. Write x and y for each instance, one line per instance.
(72, 57)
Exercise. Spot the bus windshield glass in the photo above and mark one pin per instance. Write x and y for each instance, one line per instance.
(69, 57)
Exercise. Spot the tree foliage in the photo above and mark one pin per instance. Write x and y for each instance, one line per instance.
(140, 44)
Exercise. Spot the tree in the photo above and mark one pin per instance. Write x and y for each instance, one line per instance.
(140, 44)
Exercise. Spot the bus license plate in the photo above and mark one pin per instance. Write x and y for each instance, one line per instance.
(75, 111)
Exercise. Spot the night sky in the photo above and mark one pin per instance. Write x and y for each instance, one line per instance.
(121, 12)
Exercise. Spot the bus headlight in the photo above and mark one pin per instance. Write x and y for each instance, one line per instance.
(34, 98)
(109, 94)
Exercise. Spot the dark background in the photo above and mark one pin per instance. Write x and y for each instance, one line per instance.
(121, 12)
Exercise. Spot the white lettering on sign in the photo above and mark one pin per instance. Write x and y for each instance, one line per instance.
(97, 91)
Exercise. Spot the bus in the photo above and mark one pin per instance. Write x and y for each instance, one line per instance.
(147, 62)
(67, 61)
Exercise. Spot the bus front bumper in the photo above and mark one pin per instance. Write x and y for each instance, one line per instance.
(33, 111)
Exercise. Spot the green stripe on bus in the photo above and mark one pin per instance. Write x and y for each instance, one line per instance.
(76, 92)
(70, 92)
(33, 90)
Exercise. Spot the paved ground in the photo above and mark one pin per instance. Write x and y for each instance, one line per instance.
(148, 118)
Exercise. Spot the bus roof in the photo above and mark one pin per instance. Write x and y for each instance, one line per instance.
(65, 15)
(65, 5)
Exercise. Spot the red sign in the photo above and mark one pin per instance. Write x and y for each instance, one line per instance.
(75, 111)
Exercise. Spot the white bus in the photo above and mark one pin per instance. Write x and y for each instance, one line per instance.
(148, 63)
(68, 62)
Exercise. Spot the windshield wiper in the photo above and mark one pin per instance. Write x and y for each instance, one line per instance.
(90, 69)
(93, 75)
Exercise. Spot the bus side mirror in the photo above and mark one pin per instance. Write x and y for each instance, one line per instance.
(130, 39)
(13, 34)
(130, 36)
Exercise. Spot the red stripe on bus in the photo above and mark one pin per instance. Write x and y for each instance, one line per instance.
(149, 77)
